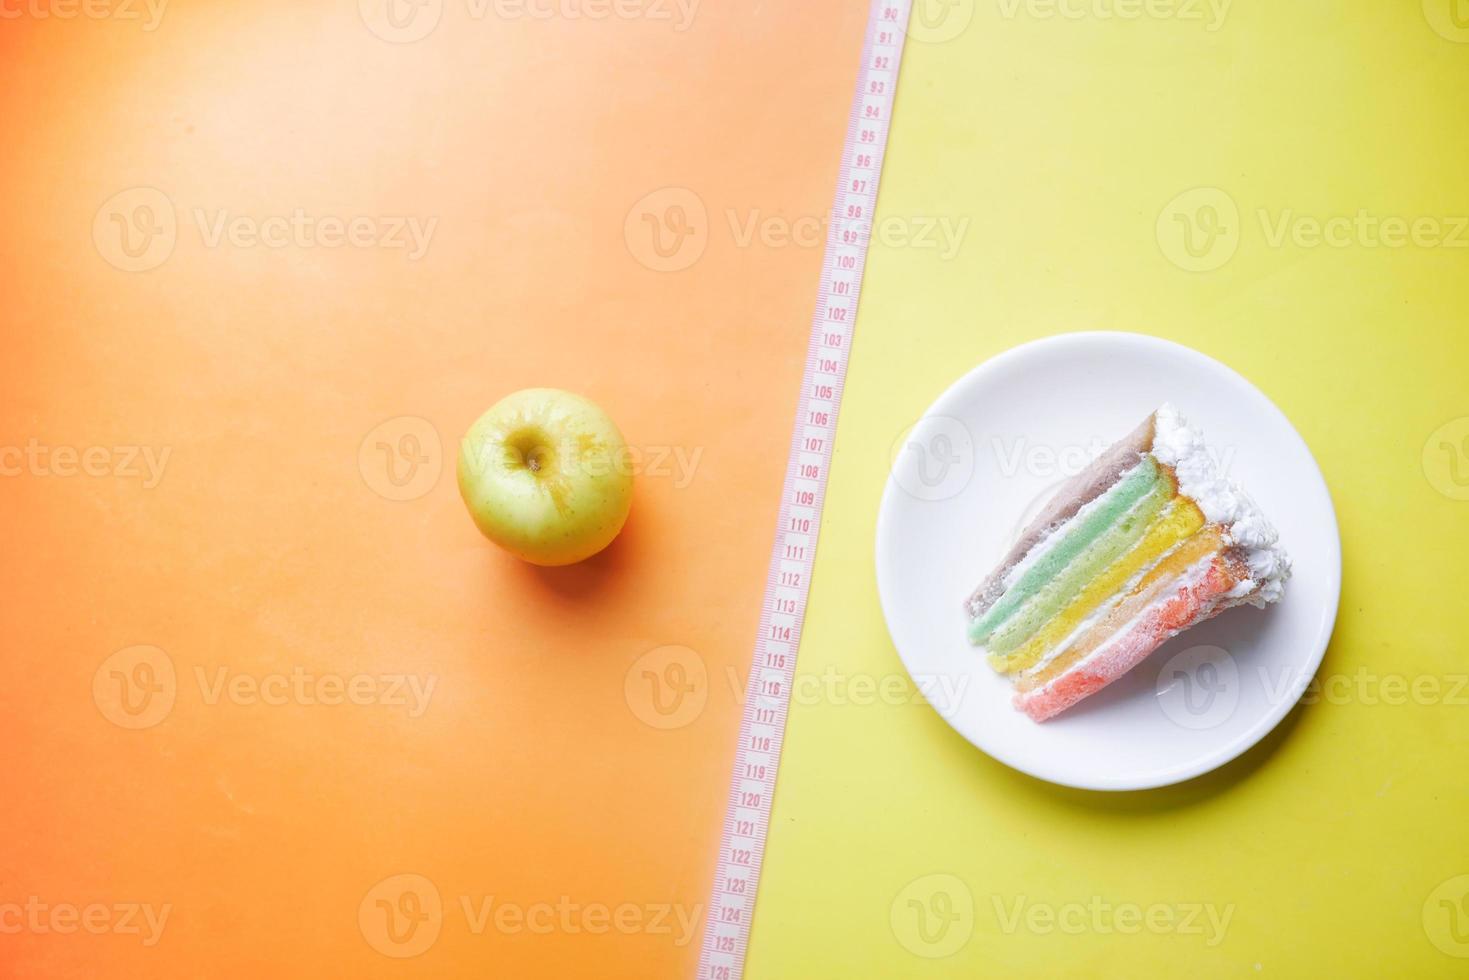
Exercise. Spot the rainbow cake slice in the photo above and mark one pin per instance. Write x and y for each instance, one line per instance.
(1145, 542)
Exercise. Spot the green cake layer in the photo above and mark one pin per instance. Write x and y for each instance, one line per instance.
(1052, 598)
(1064, 548)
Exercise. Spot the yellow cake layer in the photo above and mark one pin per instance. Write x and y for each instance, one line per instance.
(1203, 543)
(1176, 522)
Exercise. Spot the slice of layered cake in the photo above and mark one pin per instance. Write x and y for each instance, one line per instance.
(1144, 543)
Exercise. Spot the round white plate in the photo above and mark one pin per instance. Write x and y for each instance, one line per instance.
(979, 465)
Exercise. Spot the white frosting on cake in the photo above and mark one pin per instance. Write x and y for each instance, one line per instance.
(1181, 446)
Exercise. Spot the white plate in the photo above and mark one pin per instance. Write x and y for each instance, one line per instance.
(979, 465)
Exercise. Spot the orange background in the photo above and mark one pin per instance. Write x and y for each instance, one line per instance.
(266, 549)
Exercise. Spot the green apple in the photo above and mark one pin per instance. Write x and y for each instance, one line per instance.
(546, 476)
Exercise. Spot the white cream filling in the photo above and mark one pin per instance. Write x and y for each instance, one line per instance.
(1181, 446)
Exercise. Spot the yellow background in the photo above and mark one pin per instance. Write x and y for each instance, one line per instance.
(1062, 142)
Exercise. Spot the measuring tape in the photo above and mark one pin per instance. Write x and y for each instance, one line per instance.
(788, 583)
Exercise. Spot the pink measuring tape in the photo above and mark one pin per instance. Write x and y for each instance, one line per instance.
(788, 583)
